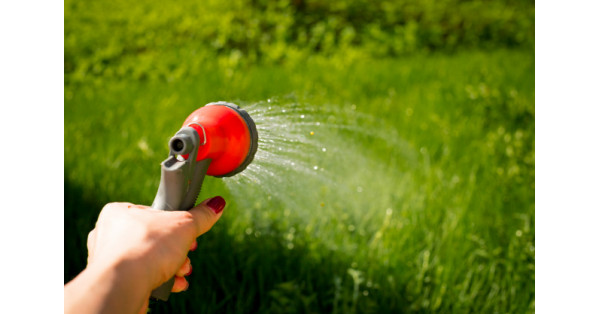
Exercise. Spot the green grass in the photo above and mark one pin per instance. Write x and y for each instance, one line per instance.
(446, 161)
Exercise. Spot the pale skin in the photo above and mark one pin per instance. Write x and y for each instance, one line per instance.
(134, 249)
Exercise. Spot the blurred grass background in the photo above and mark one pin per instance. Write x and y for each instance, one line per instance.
(450, 226)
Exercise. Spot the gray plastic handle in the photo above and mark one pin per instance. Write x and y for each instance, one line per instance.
(180, 183)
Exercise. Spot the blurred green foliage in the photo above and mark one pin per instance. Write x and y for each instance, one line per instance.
(168, 40)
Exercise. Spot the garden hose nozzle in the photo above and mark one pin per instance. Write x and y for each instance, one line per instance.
(219, 139)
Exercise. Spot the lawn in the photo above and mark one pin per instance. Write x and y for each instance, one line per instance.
(425, 201)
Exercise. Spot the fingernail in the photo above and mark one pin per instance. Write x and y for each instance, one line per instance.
(189, 272)
(187, 285)
(194, 246)
(217, 204)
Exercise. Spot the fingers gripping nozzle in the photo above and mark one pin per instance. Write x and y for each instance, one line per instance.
(219, 139)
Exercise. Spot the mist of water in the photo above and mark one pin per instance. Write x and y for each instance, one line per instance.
(315, 165)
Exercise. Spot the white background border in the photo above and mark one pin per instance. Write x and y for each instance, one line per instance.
(32, 158)
(567, 156)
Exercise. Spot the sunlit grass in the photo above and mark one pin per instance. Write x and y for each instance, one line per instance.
(425, 201)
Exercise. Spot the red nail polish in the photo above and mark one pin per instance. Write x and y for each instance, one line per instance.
(217, 204)
(194, 246)
(189, 272)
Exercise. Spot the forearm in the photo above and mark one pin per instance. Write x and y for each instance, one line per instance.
(106, 290)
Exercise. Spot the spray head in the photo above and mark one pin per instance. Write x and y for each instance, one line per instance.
(228, 137)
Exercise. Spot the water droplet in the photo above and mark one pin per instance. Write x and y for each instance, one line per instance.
(269, 100)
(283, 110)
(301, 116)
(270, 109)
(324, 149)
(316, 167)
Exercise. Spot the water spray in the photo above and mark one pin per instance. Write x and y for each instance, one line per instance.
(220, 140)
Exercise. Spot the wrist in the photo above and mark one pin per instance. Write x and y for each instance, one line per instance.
(107, 288)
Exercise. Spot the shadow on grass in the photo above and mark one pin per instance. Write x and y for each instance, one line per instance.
(81, 210)
(234, 273)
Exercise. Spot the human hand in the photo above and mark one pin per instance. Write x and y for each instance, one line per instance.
(140, 248)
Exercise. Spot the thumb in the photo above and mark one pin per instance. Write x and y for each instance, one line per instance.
(207, 213)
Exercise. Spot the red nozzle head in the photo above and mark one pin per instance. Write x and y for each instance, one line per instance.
(228, 137)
